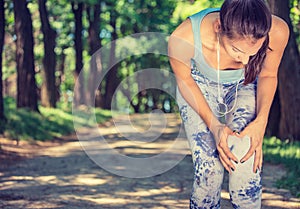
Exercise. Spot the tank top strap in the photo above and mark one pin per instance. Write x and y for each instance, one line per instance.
(196, 20)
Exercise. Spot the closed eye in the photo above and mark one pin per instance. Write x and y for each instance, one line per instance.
(235, 50)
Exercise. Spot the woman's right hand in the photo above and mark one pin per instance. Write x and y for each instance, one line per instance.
(221, 133)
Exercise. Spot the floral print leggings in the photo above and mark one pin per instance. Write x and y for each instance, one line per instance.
(244, 185)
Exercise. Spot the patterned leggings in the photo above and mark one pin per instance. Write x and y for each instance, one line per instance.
(244, 185)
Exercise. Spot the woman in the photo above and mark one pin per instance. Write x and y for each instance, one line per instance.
(226, 62)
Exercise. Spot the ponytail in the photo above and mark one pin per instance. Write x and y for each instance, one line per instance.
(247, 18)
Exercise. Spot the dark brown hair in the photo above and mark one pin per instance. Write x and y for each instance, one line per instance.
(247, 19)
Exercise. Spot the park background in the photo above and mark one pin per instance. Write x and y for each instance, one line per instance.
(44, 45)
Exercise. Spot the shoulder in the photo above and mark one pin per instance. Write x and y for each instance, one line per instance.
(184, 32)
(279, 33)
(181, 41)
(181, 49)
(279, 36)
(205, 20)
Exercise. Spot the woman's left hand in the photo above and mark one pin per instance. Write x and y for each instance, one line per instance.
(255, 130)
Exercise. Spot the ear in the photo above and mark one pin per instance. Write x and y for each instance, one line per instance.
(217, 25)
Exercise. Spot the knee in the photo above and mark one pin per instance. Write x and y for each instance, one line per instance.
(244, 185)
(239, 147)
(243, 173)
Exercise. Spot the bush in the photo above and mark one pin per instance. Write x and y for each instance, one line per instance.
(288, 154)
(23, 124)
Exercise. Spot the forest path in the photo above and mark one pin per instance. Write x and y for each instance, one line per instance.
(60, 174)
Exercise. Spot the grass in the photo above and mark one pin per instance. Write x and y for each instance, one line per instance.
(288, 154)
(50, 123)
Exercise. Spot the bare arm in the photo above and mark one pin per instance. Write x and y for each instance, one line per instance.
(181, 50)
(267, 80)
(266, 87)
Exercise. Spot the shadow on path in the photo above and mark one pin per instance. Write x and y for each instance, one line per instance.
(63, 176)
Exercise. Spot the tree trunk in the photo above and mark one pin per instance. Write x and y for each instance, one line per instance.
(79, 99)
(26, 84)
(94, 28)
(94, 96)
(112, 78)
(2, 34)
(274, 117)
(61, 73)
(289, 79)
(48, 91)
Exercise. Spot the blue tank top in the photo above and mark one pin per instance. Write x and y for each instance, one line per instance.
(202, 65)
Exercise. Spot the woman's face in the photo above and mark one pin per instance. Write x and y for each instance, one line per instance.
(241, 49)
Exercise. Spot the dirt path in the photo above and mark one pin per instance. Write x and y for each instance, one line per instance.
(60, 175)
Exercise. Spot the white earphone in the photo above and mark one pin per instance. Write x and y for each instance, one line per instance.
(222, 108)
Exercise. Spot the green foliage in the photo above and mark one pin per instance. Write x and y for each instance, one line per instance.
(295, 12)
(8, 62)
(187, 8)
(23, 124)
(295, 17)
(288, 154)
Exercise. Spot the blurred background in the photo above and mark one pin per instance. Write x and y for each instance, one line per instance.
(44, 45)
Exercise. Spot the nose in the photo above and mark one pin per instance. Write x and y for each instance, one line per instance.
(244, 59)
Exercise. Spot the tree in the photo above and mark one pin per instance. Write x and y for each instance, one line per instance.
(26, 83)
(2, 34)
(48, 89)
(112, 79)
(288, 96)
(62, 18)
(94, 41)
(77, 9)
(144, 16)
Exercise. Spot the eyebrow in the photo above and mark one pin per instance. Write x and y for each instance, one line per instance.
(238, 49)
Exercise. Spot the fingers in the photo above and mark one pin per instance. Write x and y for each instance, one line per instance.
(225, 154)
(224, 146)
(257, 160)
(241, 134)
(259, 157)
(224, 164)
(251, 151)
(248, 154)
(261, 161)
(229, 154)
(225, 161)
